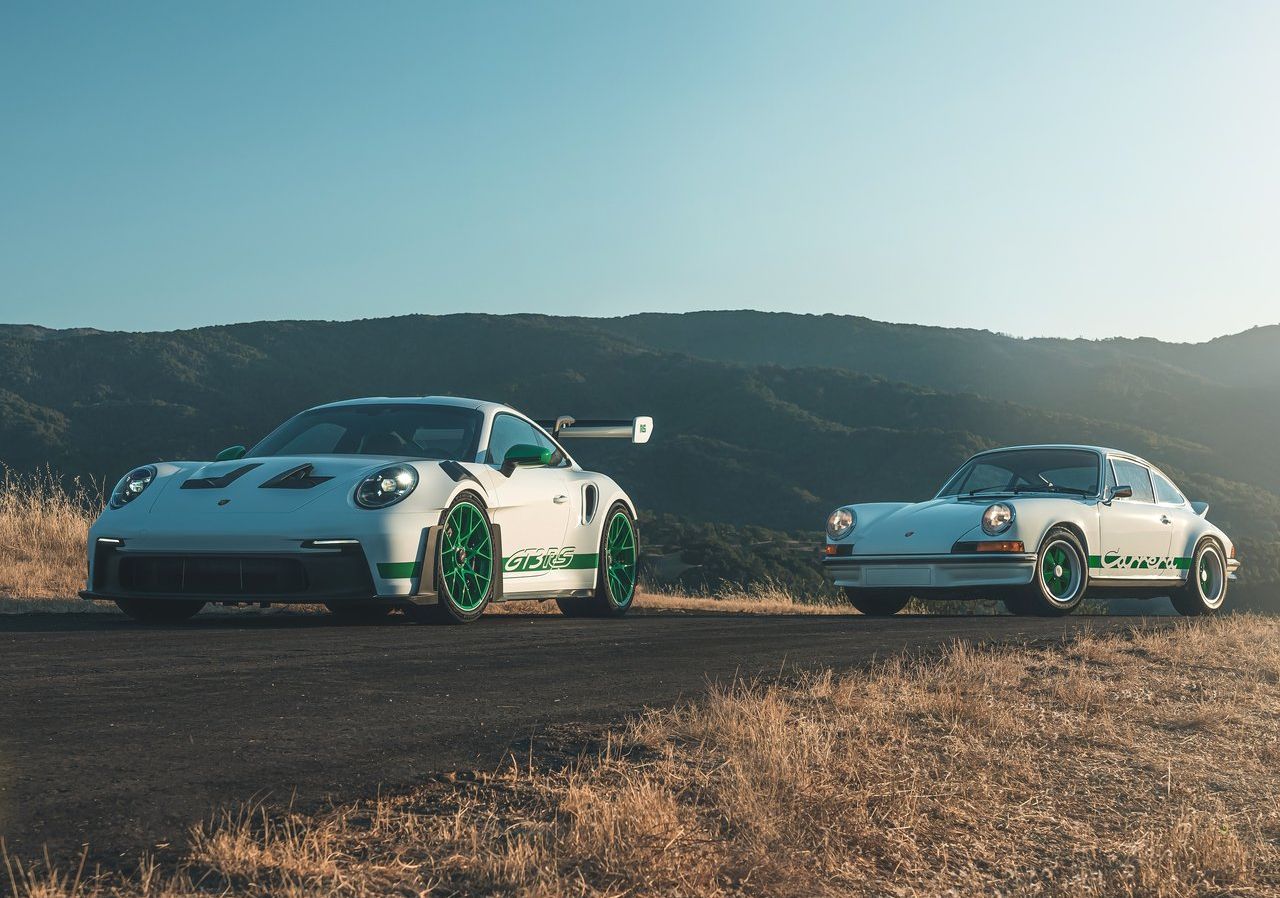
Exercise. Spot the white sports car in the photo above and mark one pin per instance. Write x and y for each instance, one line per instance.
(437, 505)
(1037, 526)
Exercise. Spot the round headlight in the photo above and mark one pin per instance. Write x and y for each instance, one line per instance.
(131, 486)
(841, 523)
(386, 487)
(997, 518)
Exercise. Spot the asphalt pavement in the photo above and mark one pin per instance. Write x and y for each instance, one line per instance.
(121, 736)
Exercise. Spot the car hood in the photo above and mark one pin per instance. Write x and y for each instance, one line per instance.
(274, 485)
(931, 527)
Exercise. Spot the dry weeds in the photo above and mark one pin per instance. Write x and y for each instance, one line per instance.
(1142, 764)
(43, 529)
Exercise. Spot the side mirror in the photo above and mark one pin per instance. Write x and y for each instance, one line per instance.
(231, 453)
(524, 455)
(1119, 492)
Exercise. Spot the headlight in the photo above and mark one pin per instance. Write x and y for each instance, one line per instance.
(131, 486)
(386, 487)
(841, 523)
(997, 518)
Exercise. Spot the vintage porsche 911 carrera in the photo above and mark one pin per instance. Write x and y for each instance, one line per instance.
(437, 505)
(1038, 527)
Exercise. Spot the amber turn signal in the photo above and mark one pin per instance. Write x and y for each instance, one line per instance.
(1004, 545)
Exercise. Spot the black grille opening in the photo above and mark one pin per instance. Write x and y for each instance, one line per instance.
(187, 575)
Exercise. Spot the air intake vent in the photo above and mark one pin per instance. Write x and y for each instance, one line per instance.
(589, 499)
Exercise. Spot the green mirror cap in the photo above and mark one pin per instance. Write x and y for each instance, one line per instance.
(231, 453)
(526, 455)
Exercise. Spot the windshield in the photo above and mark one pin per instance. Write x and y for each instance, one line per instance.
(1072, 471)
(410, 430)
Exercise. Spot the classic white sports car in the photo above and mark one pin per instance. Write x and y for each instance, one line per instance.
(1038, 527)
(437, 505)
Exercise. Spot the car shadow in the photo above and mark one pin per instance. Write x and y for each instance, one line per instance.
(91, 621)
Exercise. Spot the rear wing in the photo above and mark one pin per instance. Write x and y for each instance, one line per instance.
(637, 430)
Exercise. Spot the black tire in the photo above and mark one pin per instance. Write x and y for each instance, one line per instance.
(877, 602)
(358, 612)
(613, 594)
(1061, 577)
(454, 606)
(160, 611)
(1205, 591)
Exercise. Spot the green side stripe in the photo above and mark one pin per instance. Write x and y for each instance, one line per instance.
(579, 561)
(397, 570)
(403, 570)
(1181, 564)
(585, 560)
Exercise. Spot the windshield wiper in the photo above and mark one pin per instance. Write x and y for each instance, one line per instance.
(1052, 488)
(988, 489)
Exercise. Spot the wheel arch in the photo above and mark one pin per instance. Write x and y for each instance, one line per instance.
(1075, 529)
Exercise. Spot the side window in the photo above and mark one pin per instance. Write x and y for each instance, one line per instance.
(508, 431)
(1134, 475)
(1166, 492)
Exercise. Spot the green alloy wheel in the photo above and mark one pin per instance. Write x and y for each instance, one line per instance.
(1058, 571)
(464, 564)
(1061, 578)
(616, 575)
(620, 559)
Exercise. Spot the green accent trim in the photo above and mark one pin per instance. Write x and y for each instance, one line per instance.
(582, 561)
(398, 570)
(466, 557)
(526, 455)
(535, 560)
(1057, 558)
(1141, 563)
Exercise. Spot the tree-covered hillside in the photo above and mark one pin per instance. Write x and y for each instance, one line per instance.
(762, 420)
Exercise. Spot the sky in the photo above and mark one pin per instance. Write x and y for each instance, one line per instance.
(1083, 169)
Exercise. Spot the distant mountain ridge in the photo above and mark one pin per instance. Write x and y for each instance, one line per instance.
(763, 419)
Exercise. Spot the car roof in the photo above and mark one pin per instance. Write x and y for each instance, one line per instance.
(1102, 450)
(455, 401)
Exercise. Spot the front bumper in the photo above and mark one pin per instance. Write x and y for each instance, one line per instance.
(305, 575)
(942, 572)
(390, 546)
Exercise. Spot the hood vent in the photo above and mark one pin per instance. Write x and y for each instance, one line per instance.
(218, 483)
(299, 478)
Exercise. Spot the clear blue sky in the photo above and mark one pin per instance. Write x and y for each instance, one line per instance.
(1039, 169)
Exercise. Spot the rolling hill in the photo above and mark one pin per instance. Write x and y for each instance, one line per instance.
(762, 419)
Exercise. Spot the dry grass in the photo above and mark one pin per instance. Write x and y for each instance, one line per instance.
(1143, 764)
(43, 528)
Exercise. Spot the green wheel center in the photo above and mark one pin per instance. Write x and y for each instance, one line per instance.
(1058, 571)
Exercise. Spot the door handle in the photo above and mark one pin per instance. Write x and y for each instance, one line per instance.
(1164, 519)
(560, 500)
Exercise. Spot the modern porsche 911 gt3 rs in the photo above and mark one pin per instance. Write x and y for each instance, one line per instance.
(436, 504)
(1037, 526)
